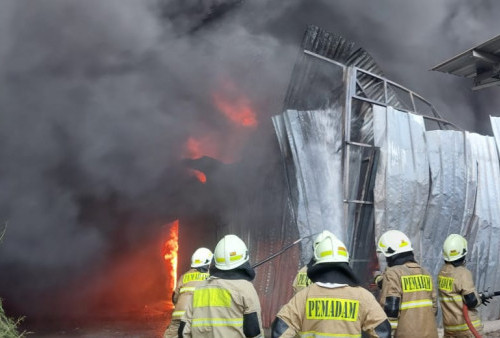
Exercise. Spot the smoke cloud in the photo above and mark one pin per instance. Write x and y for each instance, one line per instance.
(98, 100)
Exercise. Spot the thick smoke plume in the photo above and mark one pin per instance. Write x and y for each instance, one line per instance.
(99, 100)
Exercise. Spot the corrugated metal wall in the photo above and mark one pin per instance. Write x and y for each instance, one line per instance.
(398, 173)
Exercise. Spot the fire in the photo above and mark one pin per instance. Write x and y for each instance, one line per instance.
(169, 251)
(200, 175)
(210, 145)
(238, 110)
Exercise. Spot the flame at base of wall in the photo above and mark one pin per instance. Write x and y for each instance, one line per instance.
(170, 254)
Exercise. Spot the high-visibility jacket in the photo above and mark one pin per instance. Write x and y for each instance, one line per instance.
(413, 285)
(454, 283)
(301, 280)
(182, 297)
(332, 310)
(218, 308)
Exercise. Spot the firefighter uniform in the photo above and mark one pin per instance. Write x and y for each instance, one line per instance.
(332, 310)
(413, 285)
(456, 288)
(218, 308)
(454, 283)
(182, 297)
(407, 292)
(226, 304)
(301, 280)
(334, 305)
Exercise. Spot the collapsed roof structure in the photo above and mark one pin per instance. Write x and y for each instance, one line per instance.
(481, 63)
(363, 155)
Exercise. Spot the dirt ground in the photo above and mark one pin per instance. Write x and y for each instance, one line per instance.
(152, 327)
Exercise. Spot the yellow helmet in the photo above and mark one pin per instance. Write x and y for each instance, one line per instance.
(230, 253)
(201, 257)
(393, 242)
(329, 249)
(454, 247)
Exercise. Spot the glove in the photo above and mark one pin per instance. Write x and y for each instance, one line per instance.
(377, 278)
(485, 297)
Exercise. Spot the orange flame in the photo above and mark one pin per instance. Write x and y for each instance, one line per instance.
(208, 145)
(169, 251)
(237, 110)
(200, 175)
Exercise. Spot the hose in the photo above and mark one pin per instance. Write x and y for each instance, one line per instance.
(472, 329)
(282, 250)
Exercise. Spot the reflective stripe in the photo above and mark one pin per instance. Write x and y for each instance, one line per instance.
(231, 258)
(235, 258)
(236, 322)
(187, 289)
(462, 327)
(326, 253)
(450, 299)
(211, 297)
(394, 324)
(326, 335)
(178, 313)
(416, 303)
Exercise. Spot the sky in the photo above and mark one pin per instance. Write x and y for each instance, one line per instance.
(101, 100)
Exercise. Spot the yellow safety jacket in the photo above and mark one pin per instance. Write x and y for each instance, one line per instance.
(418, 302)
(332, 310)
(218, 306)
(454, 283)
(184, 290)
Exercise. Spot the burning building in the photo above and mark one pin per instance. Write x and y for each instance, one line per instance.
(114, 136)
(361, 154)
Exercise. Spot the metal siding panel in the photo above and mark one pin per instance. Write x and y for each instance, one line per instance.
(486, 222)
(315, 139)
(402, 181)
(317, 136)
(448, 208)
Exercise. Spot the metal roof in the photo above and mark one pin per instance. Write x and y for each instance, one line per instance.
(481, 63)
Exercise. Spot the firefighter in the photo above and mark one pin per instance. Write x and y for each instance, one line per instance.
(200, 262)
(456, 288)
(301, 280)
(407, 296)
(226, 304)
(334, 305)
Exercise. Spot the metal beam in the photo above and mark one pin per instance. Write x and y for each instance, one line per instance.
(486, 57)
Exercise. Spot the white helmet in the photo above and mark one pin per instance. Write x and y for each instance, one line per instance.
(230, 253)
(329, 249)
(322, 235)
(201, 257)
(454, 247)
(393, 242)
